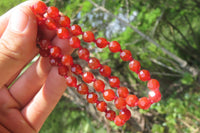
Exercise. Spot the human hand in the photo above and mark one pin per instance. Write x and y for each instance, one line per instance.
(27, 103)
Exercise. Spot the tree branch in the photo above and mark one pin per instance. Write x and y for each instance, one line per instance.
(181, 62)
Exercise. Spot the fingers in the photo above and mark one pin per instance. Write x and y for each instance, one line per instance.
(17, 43)
(25, 88)
(30, 82)
(45, 100)
(4, 19)
(10, 116)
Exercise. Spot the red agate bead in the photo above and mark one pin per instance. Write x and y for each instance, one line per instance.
(126, 55)
(144, 103)
(120, 103)
(125, 114)
(144, 75)
(40, 8)
(63, 70)
(52, 12)
(101, 42)
(44, 53)
(82, 89)
(153, 84)
(71, 81)
(118, 121)
(67, 60)
(114, 81)
(54, 61)
(76, 30)
(88, 77)
(99, 85)
(94, 63)
(74, 42)
(155, 96)
(76, 69)
(114, 46)
(63, 33)
(110, 115)
(109, 95)
(44, 43)
(83, 54)
(51, 24)
(131, 100)
(55, 51)
(64, 21)
(40, 19)
(122, 92)
(92, 97)
(101, 106)
(105, 71)
(134, 66)
(88, 36)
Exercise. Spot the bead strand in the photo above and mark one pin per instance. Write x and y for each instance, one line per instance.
(50, 17)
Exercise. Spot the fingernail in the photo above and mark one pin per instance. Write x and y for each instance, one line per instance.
(18, 21)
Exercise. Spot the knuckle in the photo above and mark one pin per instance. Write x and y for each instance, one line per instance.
(10, 52)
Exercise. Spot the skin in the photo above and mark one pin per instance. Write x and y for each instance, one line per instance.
(26, 104)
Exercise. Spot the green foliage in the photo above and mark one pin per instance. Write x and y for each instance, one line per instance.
(174, 25)
(5, 5)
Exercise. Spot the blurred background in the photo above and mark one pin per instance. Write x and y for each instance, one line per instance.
(164, 36)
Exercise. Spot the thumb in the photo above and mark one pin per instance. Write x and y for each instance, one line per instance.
(18, 42)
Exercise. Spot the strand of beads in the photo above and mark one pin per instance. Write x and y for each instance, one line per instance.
(50, 17)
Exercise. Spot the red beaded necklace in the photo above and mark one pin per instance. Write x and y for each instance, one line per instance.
(51, 18)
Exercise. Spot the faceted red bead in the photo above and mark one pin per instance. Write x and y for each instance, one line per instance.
(114, 81)
(125, 114)
(54, 61)
(40, 8)
(71, 81)
(88, 77)
(110, 115)
(88, 36)
(105, 71)
(82, 89)
(144, 103)
(83, 54)
(120, 103)
(109, 95)
(122, 92)
(64, 21)
(74, 42)
(101, 42)
(118, 121)
(131, 100)
(94, 63)
(63, 33)
(101, 106)
(44, 53)
(134, 66)
(63, 70)
(67, 60)
(99, 85)
(144, 75)
(55, 51)
(52, 12)
(126, 55)
(155, 96)
(51, 24)
(92, 97)
(153, 84)
(40, 19)
(76, 69)
(114, 46)
(76, 30)
(44, 43)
